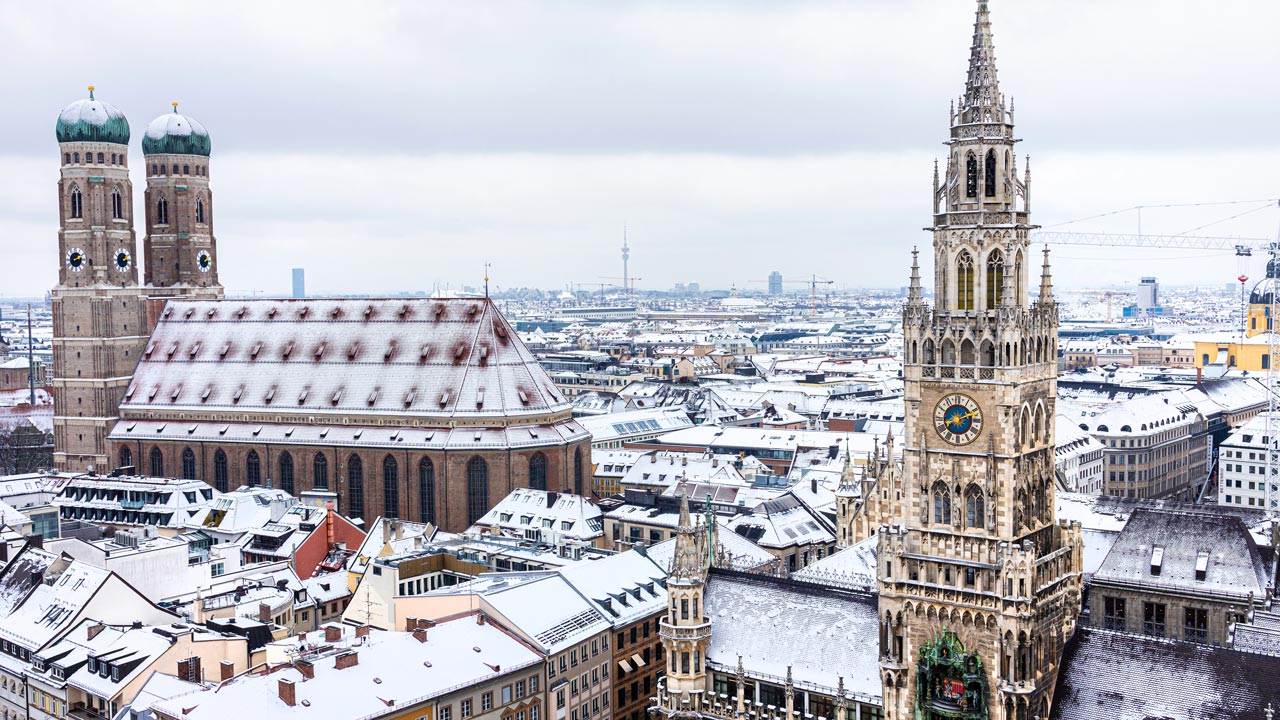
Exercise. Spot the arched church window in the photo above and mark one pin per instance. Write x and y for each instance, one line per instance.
(941, 504)
(538, 471)
(126, 457)
(157, 462)
(117, 205)
(286, 472)
(77, 202)
(971, 176)
(188, 464)
(66, 158)
(175, 168)
(990, 172)
(390, 487)
(975, 508)
(220, 471)
(253, 469)
(199, 210)
(102, 158)
(186, 169)
(964, 281)
(355, 487)
(320, 472)
(577, 472)
(426, 491)
(113, 158)
(77, 157)
(477, 489)
(995, 279)
(928, 352)
(162, 211)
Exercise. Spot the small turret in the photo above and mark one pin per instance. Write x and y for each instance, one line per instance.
(1046, 281)
(915, 294)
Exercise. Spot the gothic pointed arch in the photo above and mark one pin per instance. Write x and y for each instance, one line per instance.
(355, 487)
(253, 469)
(117, 203)
(157, 462)
(426, 491)
(989, 183)
(971, 176)
(975, 507)
(929, 358)
(320, 472)
(77, 202)
(286, 472)
(477, 489)
(941, 503)
(995, 279)
(200, 209)
(964, 281)
(538, 471)
(188, 464)
(126, 457)
(220, 481)
(390, 487)
(966, 352)
(948, 352)
(987, 353)
(578, 485)
(162, 210)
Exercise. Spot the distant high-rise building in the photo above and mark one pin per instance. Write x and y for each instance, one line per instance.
(1148, 294)
(299, 282)
(693, 288)
(775, 283)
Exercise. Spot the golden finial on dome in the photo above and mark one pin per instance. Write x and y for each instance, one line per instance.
(175, 105)
(90, 92)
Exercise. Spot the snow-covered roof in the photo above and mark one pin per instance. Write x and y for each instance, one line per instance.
(821, 633)
(543, 605)
(853, 567)
(624, 587)
(405, 358)
(782, 523)
(525, 508)
(51, 608)
(392, 666)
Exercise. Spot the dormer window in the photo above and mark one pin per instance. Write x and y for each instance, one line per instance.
(1157, 560)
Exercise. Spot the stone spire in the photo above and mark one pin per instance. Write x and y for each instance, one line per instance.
(1046, 280)
(915, 294)
(982, 101)
(687, 563)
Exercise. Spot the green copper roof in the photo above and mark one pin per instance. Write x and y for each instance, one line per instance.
(92, 120)
(176, 134)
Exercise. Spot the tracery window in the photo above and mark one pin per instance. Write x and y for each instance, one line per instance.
(538, 471)
(390, 488)
(971, 176)
(941, 504)
(995, 279)
(199, 210)
(577, 472)
(355, 487)
(117, 205)
(188, 464)
(157, 462)
(477, 489)
(426, 491)
(220, 471)
(162, 211)
(320, 472)
(77, 203)
(253, 469)
(286, 472)
(975, 508)
(126, 457)
(964, 281)
(990, 172)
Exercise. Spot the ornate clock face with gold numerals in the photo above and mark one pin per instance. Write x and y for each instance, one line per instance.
(958, 419)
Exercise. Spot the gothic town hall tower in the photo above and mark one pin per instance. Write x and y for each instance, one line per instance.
(979, 586)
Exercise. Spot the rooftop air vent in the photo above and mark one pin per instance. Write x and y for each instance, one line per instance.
(241, 312)
(235, 397)
(302, 396)
(195, 350)
(187, 315)
(319, 353)
(424, 352)
(304, 312)
(208, 390)
(369, 312)
(271, 314)
(354, 351)
(253, 351)
(1157, 560)
(337, 396)
(1202, 565)
(226, 348)
(404, 311)
(288, 350)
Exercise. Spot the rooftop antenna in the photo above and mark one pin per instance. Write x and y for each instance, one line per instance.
(487, 265)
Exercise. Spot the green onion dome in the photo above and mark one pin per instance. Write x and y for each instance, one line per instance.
(175, 134)
(91, 120)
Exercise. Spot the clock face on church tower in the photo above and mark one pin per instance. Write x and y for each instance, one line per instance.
(204, 261)
(958, 419)
(75, 259)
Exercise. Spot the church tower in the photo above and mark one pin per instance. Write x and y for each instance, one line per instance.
(686, 630)
(979, 586)
(99, 317)
(182, 254)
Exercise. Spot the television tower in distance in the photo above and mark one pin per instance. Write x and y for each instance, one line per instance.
(626, 255)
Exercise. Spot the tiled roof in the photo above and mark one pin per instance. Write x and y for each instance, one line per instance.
(437, 358)
(1128, 677)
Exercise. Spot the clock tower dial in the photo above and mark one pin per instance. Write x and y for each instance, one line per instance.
(958, 419)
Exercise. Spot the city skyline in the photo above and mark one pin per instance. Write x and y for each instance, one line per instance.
(778, 133)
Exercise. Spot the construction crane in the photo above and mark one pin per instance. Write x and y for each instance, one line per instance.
(1101, 294)
(626, 281)
(813, 282)
(1242, 246)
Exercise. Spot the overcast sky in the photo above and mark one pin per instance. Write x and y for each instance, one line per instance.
(394, 146)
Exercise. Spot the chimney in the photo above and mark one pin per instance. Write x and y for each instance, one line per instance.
(330, 532)
(479, 619)
(288, 693)
(420, 634)
(189, 669)
(347, 659)
(226, 670)
(399, 531)
(410, 624)
(197, 609)
(362, 631)
(306, 668)
(332, 633)
(813, 485)
(264, 610)
(95, 629)
(386, 531)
